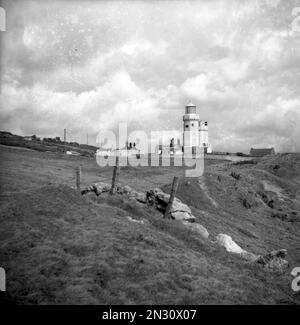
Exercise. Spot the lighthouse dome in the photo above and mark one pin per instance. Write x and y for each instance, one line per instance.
(190, 104)
(190, 108)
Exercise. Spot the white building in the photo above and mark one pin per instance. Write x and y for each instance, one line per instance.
(195, 131)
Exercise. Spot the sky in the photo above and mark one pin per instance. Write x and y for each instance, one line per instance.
(88, 65)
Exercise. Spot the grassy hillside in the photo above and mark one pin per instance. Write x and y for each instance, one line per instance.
(9, 139)
(60, 247)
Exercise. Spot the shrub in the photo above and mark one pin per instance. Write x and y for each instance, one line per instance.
(235, 175)
(246, 162)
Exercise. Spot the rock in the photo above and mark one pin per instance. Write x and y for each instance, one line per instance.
(135, 220)
(127, 189)
(183, 216)
(196, 227)
(227, 242)
(161, 196)
(101, 188)
(279, 253)
(140, 197)
(274, 261)
(157, 197)
(87, 189)
(179, 210)
(161, 200)
(277, 264)
(179, 206)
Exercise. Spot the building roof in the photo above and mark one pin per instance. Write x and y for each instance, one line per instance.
(260, 152)
(190, 104)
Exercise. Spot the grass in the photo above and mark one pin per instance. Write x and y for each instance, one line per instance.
(61, 248)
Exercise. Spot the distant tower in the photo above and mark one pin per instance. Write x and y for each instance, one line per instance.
(190, 126)
(203, 134)
(203, 137)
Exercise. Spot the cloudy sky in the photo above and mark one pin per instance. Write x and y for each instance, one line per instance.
(87, 65)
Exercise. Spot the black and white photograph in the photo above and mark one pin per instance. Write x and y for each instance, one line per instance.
(150, 155)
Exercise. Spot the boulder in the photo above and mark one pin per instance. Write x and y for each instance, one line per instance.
(160, 199)
(276, 264)
(196, 227)
(161, 196)
(87, 189)
(274, 261)
(101, 188)
(135, 220)
(183, 216)
(227, 242)
(278, 253)
(127, 189)
(140, 197)
(156, 197)
(179, 206)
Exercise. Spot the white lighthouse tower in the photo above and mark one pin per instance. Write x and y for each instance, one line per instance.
(203, 134)
(195, 131)
(190, 127)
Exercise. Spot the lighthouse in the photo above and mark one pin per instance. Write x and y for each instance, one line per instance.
(195, 135)
(195, 131)
(190, 127)
(203, 134)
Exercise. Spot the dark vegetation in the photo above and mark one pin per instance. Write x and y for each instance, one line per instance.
(246, 162)
(46, 144)
(235, 175)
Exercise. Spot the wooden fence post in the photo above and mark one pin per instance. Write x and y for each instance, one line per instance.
(172, 196)
(78, 178)
(115, 178)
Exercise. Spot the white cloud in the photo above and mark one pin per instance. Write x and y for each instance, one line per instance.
(118, 100)
(210, 87)
(196, 87)
(137, 46)
(234, 70)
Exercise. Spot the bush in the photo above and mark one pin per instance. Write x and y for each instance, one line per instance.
(246, 162)
(235, 175)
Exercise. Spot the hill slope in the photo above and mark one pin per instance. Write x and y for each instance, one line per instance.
(46, 145)
(60, 247)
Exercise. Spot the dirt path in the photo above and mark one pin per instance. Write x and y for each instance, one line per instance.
(201, 182)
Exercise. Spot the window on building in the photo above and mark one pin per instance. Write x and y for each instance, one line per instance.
(186, 126)
(192, 124)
